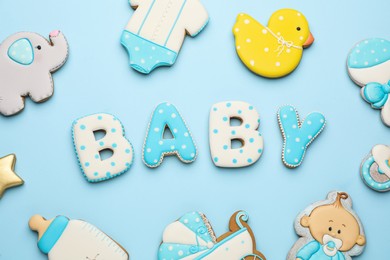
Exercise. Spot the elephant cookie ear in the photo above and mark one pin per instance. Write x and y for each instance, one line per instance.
(21, 51)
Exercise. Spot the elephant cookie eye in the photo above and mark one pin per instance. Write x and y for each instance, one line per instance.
(39, 47)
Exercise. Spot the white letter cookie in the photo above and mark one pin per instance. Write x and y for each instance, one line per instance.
(221, 134)
(156, 31)
(64, 239)
(88, 148)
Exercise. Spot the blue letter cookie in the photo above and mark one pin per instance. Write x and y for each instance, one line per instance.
(298, 135)
(166, 116)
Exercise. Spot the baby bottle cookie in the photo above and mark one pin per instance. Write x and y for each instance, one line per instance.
(64, 239)
(368, 66)
(375, 168)
(275, 50)
(328, 229)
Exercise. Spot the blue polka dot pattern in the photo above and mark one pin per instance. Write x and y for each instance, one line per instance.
(21, 51)
(369, 53)
(155, 147)
(88, 149)
(298, 135)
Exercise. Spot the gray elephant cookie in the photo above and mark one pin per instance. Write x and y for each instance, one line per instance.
(26, 63)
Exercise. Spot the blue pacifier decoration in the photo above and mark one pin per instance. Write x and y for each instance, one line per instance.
(375, 168)
(369, 67)
(298, 135)
(164, 117)
(21, 51)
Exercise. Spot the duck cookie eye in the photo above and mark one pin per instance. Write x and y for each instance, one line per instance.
(39, 47)
(298, 28)
(330, 228)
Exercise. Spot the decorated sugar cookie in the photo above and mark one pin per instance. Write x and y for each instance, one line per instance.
(222, 133)
(166, 117)
(8, 177)
(88, 148)
(275, 50)
(369, 67)
(26, 63)
(328, 229)
(156, 31)
(192, 237)
(375, 168)
(297, 134)
(64, 239)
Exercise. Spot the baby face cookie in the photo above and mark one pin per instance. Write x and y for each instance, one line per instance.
(275, 50)
(298, 135)
(8, 177)
(192, 237)
(368, 66)
(88, 148)
(328, 229)
(156, 147)
(64, 239)
(375, 168)
(222, 133)
(156, 31)
(27, 61)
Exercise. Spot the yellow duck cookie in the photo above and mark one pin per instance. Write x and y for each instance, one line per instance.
(273, 51)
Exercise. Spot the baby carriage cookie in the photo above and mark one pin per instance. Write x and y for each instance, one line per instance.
(275, 50)
(26, 63)
(368, 66)
(328, 229)
(64, 239)
(375, 168)
(192, 238)
(156, 31)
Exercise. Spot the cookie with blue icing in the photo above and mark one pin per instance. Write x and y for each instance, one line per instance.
(375, 168)
(164, 118)
(192, 237)
(368, 66)
(297, 134)
(328, 230)
(156, 31)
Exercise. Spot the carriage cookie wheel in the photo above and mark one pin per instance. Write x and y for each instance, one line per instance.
(252, 257)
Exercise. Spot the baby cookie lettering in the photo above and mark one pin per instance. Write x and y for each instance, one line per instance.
(221, 134)
(26, 62)
(88, 149)
(368, 66)
(167, 117)
(64, 239)
(298, 135)
(328, 229)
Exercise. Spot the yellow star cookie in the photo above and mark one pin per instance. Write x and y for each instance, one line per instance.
(8, 177)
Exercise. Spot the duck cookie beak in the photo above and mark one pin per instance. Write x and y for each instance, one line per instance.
(309, 41)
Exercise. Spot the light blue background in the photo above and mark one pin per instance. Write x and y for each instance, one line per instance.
(135, 208)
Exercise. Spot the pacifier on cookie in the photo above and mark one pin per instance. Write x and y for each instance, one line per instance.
(328, 229)
(368, 66)
(375, 168)
(275, 50)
